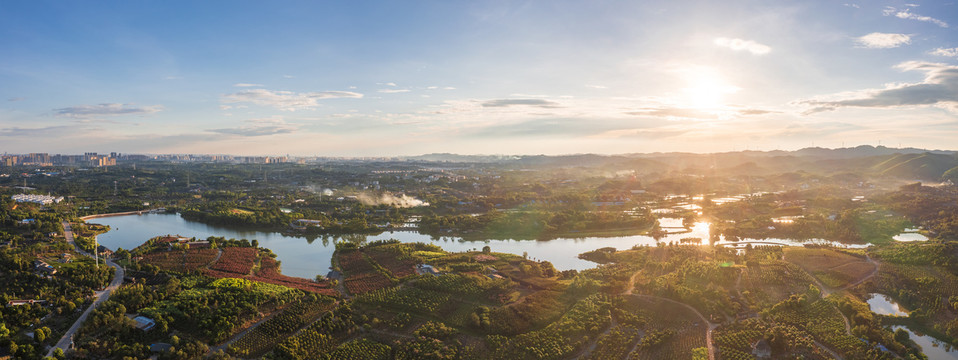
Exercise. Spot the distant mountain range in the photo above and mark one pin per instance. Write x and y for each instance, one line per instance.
(905, 163)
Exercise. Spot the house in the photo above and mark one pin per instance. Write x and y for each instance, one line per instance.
(423, 269)
(25, 302)
(761, 349)
(44, 267)
(103, 250)
(144, 323)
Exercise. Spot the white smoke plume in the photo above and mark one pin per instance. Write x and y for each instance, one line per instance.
(317, 190)
(402, 200)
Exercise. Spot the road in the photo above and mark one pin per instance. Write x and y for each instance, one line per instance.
(101, 296)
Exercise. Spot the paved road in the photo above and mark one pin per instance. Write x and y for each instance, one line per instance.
(101, 296)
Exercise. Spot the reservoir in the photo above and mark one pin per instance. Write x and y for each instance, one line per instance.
(307, 258)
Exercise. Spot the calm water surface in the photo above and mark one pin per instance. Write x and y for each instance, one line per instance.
(934, 349)
(883, 305)
(307, 258)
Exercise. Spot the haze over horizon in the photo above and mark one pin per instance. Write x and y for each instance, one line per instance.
(514, 77)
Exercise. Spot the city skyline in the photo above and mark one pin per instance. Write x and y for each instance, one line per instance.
(394, 79)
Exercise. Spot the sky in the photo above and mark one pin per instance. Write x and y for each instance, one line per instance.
(393, 78)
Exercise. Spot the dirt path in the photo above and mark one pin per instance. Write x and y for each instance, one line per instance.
(233, 339)
(711, 326)
(825, 292)
(869, 276)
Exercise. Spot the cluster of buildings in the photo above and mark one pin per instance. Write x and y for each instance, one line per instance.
(38, 199)
(44, 159)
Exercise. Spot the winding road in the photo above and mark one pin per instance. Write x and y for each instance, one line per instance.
(101, 296)
(826, 291)
(711, 326)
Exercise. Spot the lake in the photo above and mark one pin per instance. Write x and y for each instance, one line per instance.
(934, 349)
(307, 258)
(883, 305)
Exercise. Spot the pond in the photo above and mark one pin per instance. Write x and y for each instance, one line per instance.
(307, 258)
(910, 236)
(934, 349)
(883, 305)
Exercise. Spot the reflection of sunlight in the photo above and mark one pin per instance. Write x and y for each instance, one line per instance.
(705, 89)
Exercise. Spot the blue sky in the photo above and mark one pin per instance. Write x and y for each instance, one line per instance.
(491, 77)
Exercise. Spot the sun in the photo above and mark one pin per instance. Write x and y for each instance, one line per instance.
(705, 89)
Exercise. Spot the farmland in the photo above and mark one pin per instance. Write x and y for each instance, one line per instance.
(833, 268)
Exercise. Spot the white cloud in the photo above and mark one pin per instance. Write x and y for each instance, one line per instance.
(853, 6)
(260, 127)
(949, 52)
(939, 88)
(247, 85)
(877, 40)
(526, 102)
(906, 14)
(393, 91)
(88, 111)
(286, 100)
(596, 86)
(747, 45)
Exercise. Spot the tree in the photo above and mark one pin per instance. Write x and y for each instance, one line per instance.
(700, 353)
(255, 243)
(486, 249)
(901, 335)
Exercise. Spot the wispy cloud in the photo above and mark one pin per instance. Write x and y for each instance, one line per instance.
(746, 45)
(260, 127)
(907, 14)
(247, 85)
(697, 114)
(49, 131)
(939, 88)
(949, 52)
(16, 99)
(393, 91)
(286, 100)
(674, 112)
(520, 102)
(877, 40)
(88, 111)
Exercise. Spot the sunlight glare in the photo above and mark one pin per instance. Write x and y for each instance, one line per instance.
(706, 89)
